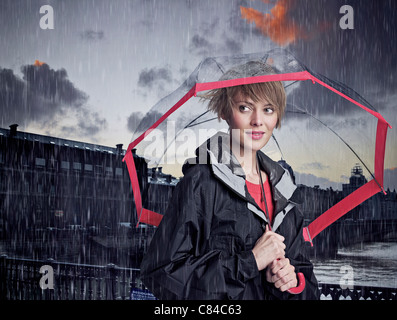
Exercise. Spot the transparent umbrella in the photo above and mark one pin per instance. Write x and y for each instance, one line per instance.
(328, 127)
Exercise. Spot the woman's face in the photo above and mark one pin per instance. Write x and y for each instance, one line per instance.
(251, 123)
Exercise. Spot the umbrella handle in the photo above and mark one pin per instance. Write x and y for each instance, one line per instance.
(301, 284)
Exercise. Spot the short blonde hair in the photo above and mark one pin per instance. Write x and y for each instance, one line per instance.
(273, 92)
(221, 100)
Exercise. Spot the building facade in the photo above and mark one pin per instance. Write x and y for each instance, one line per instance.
(53, 185)
(50, 182)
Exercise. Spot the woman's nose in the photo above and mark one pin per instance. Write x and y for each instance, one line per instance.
(257, 119)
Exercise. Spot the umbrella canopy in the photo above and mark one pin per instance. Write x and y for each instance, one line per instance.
(177, 124)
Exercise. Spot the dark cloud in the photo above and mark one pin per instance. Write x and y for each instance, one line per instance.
(209, 46)
(133, 121)
(12, 102)
(233, 45)
(210, 39)
(324, 104)
(43, 96)
(158, 82)
(88, 124)
(52, 85)
(137, 123)
(361, 58)
(200, 45)
(364, 57)
(91, 35)
(91, 123)
(42, 93)
(152, 77)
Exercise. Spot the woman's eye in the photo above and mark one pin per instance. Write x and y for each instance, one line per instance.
(269, 110)
(243, 108)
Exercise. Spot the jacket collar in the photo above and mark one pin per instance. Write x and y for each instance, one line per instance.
(280, 179)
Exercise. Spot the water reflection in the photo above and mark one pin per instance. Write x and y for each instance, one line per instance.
(373, 264)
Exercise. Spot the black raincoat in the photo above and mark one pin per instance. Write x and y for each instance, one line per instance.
(202, 247)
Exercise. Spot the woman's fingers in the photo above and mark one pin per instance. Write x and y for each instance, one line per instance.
(282, 274)
(268, 248)
(287, 282)
(279, 264)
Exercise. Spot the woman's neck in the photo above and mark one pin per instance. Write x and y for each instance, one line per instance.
(249, 164)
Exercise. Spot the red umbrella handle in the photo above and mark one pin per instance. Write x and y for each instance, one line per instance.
(301, 284)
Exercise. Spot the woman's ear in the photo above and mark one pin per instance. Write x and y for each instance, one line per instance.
(223, 117)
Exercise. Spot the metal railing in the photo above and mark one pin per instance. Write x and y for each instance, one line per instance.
(20, 279)
(335, 292)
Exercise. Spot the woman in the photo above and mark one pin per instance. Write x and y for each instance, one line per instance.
(232, 229)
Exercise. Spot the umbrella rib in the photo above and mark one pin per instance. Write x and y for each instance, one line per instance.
(293, 82)
(189, 124)
(196, 124)
(278, 146)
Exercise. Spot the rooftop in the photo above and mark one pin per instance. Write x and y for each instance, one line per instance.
(13, 132)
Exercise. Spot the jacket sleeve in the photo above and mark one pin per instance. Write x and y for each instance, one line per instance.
(297, 252)
(179, 265)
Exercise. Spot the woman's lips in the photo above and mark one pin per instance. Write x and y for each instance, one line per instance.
(256, 135)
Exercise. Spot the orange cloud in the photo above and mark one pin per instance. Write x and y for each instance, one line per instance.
(276, 25)
(38, 63)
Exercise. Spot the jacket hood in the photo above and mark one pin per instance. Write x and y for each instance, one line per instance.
(216, 153)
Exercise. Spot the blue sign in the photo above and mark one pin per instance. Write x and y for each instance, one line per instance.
(141, 294)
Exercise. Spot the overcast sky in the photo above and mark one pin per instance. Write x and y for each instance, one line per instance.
(108, 62)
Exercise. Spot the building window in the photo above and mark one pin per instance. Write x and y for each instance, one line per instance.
(119, 172)
(109, 171)
(88, 168)
(65, 165)
(77, 166)
(40, 162)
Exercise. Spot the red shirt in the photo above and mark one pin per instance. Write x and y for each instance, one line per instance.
(255, 191)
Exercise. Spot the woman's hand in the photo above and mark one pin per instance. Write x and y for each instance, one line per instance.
(268, 248)
(282, 274)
